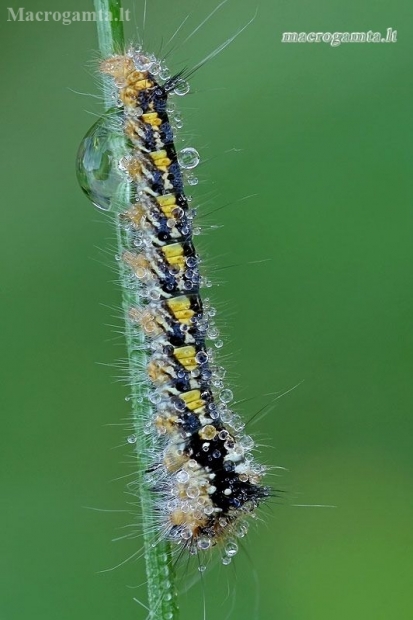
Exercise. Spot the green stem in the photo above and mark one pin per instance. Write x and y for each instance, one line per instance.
(159, 568)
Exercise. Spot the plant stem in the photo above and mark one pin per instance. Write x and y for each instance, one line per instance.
(159, 569)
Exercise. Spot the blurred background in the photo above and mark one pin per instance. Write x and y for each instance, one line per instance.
(322, 138)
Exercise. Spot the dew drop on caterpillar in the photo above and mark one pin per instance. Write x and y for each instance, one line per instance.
(194, 451)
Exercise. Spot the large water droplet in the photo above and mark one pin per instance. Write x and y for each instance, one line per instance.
(97, 168)
(188, 158)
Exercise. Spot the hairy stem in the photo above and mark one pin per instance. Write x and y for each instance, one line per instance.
(159, 569)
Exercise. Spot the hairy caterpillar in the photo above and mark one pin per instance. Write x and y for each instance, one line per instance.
(201, 469)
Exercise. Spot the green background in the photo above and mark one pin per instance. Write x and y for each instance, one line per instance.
(323, 139)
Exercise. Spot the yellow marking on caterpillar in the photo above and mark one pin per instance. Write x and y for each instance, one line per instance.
(184, 316)
(167, 203)
(191, 396)
(174, 249)
(186, 356)
(135, 76)
(196, 405)
(168, 211)
(189, 363)
(166, 200)
(152, 118)
(176, 304)
(128, 96)
(177, 260)
(160, 159)
(142, 84)
(185, 352)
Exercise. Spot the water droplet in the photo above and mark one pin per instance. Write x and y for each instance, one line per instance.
(182, 476)
(188, 158)
(154, 294)
(132, 439)
(182, 88)
(179, 405)
(247, 442)
(226, 396)
(186, 534)
(231, 548)
(192, 492)
(219, 344)
(226, 560)
(156, 67)
(237, 423)
(97, 167)
(204, 543)
(164, 73)
(241, 529)
(155, 398)
(213, 333)
(141, 61)
(192, 179)
(191, 261)
(137, 112)
(201, 357)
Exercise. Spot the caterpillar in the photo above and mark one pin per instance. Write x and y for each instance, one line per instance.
(205, 479)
